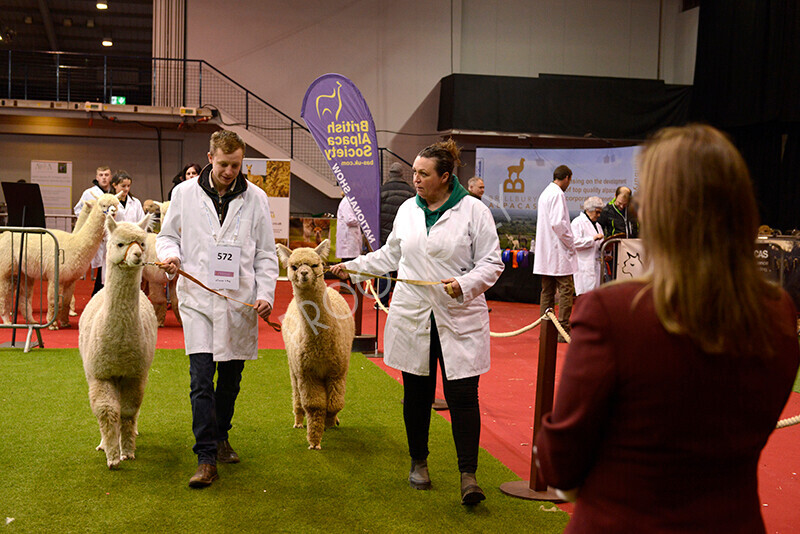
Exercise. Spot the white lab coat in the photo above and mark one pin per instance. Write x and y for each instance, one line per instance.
(93, 193)
(555, 250)
(132, 211)
(348, 231)
(463, 245)
(588, 249)
(225, 328)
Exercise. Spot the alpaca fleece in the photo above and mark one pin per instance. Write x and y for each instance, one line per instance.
(318, 331)
(117, 341)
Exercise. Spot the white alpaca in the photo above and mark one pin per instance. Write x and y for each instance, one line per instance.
(156, 278)
(318, 331)
(78, 248)
(117, 341)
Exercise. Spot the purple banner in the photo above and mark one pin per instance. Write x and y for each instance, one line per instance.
(342, 126)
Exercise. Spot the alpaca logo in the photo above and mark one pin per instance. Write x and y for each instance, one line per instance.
(515, 185)
(336, 97)
(632, 264)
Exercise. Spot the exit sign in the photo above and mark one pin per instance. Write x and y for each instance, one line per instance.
(118, 100)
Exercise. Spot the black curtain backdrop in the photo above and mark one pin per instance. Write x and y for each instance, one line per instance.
(573, 106)
(747, 82)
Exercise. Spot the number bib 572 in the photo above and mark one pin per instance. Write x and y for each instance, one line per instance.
(224, 267)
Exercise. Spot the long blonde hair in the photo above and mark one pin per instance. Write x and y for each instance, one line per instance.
(699, 222)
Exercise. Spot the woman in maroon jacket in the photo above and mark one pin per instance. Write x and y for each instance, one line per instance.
(673, 383)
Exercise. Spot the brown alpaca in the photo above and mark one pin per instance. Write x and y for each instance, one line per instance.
(318, 331)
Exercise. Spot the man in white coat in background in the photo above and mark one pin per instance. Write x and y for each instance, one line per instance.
(219, 230)
(100, 185)
(588, 236)
(555, 259)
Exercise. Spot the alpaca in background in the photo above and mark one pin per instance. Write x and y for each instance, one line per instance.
(117, 341)
(155, 278)
(318, 331)
(77, 249)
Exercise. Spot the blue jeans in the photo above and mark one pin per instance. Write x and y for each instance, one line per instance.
(212, 411)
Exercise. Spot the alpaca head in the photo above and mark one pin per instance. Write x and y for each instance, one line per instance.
(305, 266)
(108, 203)
(126, 242)
(161, 208)
(150, 206)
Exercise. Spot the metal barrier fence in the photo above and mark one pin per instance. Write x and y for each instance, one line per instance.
(21, 264)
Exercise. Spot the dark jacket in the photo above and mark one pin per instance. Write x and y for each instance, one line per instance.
(221, 203)
(393, 194)
(615, 221)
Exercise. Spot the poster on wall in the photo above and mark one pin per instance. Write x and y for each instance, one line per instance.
(341, 124)
(274, 177)
(514, 178)
(55, 183)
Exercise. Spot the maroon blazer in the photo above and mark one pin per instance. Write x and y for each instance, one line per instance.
(658, 435)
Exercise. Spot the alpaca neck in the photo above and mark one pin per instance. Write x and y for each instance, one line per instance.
(312, 302)
(91, 233)
(122, 289)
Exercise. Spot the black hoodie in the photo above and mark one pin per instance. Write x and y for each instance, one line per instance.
(221, 204)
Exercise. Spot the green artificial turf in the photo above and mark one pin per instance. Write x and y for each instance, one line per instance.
(53, 480)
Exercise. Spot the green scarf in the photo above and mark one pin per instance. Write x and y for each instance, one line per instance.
(431, 216)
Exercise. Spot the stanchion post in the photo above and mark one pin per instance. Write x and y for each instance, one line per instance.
(536, 488)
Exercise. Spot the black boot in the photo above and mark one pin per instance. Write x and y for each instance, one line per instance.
(418, 477)
(471, 492)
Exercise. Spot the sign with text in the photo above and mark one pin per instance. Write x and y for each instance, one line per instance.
(55, 183)
(341, 124)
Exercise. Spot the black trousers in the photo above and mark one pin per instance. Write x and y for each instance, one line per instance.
(212, 410)
(98, 281)
(462, 399)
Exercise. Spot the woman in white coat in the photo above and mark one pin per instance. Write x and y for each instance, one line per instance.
(130, 209)
(588, 236)
(442, 234)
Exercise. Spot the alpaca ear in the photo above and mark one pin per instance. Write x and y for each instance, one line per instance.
(94, 194)
(145, 223)
(119, 195)
(283, 254)
(323, 249)
(89, 204)
(111, 224)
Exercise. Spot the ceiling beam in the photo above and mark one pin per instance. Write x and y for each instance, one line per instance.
(49, 29)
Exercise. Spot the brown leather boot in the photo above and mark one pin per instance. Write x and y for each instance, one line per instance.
(418, 477)
(204, 476)
(471, 492)
(226, 454)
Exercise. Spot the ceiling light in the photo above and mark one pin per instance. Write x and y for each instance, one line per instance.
(107, 41)
(90, 23)
(28, 20)
(102, 5)
(67, 23)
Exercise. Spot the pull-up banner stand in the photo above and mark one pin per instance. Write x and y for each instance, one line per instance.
(341, 124)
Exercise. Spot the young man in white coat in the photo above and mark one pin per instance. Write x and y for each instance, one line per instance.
(218, 229)
(588, 236)
(100, 185)
(555, 258)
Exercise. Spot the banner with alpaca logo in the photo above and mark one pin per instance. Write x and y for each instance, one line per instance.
(341, 124)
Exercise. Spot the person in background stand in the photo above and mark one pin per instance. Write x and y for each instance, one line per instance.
(348, 231)
(475, 187)
(191, 170)
(101, 186)
(219, 228)
(394, 191)
(588, 236)
(130, 209)
(443, 235)
(617, 217)
(555, 258)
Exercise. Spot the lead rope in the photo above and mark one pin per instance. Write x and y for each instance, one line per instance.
(275, 326)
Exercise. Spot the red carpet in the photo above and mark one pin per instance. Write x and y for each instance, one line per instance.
(507, 396)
